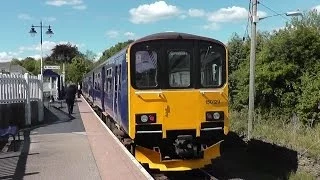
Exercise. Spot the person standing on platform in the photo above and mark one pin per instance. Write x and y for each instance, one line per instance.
(70, 95)
(79, 90)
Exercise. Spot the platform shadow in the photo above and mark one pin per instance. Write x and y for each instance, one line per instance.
(13, 164)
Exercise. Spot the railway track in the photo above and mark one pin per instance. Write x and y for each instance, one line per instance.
(198, 174)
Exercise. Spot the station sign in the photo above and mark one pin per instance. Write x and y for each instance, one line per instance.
(51, 67)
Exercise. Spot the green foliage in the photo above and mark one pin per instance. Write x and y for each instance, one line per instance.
(287, 69)
(111, 51)
(16, 62)
(79, 66)
(309, 102)
(30, 64)
(239, 53)
(64, 53)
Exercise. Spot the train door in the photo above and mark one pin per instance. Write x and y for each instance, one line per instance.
(115, 93)
(102, 87)
(119, 92)
(93, 87)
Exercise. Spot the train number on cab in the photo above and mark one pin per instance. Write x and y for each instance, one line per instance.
(212, 101)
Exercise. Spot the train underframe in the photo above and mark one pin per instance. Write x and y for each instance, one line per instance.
(181, 150)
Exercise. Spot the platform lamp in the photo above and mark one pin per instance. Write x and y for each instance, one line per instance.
(48, 32)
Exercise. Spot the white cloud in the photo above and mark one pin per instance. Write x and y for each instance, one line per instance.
(261, 14)
(81, 7)
(63, 2)
(229, 14)
(129, 34)
(112, 34)
(76, 4)
(46, 46)
(25, 16)
(147, 13)
(5, 57)
(317, 8)
(196, 12)
(36, 56)
(34, 50)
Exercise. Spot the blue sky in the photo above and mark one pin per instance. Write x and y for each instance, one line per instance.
(97, 25)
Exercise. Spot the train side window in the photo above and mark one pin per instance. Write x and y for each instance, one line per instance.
(146, 69)
(108, 80)
(116, 78)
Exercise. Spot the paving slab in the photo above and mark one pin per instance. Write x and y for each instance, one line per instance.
(113, 162)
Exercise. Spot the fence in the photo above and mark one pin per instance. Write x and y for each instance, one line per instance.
(21, 99)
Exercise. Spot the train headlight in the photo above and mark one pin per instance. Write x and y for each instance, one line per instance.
(146, 118)
(214, 115)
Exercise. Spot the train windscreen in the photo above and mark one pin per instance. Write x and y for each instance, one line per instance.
(178, 65)
(212, 65)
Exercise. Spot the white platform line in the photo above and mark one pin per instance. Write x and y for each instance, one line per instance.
(133, 159)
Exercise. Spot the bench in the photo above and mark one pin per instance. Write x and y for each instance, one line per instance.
(10, 131)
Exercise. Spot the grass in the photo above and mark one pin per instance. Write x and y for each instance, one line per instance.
(282, 131)
(303, 139)
(301, 176)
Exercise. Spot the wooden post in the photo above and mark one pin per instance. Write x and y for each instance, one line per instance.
(51, 86)
(27, 101)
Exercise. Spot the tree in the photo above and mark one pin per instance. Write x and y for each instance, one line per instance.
(239, 52)
(287, 67)
(64, 52)
(15, 61)
(79, 66)
(31, 65)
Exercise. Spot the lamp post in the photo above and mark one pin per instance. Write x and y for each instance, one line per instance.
(254, 22)
(33, 32)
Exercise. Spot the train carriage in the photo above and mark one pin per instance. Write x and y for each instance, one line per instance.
(168, 94)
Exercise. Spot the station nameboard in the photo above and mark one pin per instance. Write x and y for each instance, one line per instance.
(51, 67)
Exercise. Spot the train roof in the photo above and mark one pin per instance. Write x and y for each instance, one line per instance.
(174, 35)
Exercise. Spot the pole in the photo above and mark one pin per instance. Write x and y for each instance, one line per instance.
(64, 74)
(41, 112)
(252, 67)
(41, 60)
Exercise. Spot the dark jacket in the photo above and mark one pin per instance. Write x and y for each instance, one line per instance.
(71, 92)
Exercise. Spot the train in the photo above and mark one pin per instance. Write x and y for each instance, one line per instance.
(165, 96)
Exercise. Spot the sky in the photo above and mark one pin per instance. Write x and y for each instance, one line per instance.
(96, 25)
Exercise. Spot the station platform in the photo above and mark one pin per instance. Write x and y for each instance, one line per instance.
(77, 147)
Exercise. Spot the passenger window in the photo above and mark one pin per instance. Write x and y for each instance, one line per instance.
(146, 69)
(179, 68)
